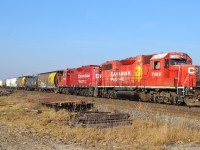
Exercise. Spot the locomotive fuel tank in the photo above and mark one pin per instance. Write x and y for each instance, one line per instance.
(131, 95)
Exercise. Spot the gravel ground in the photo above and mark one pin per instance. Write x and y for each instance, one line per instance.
(21, 138)
(183, 147)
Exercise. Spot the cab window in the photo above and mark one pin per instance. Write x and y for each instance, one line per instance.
(96, 70)
(178, 62)
(156, 65)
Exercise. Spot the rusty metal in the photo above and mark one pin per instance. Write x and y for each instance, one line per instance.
(72, 106)
(101, 119)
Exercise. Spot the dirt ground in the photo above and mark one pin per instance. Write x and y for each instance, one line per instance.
(154, 126)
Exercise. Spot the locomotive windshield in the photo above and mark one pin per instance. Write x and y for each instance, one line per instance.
(178, 62)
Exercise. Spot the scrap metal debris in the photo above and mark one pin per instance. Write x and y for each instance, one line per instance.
(72, 106)
(100, 119)
(86, 118)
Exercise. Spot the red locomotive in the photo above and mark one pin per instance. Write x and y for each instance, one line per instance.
(81, 81)
(163, 78)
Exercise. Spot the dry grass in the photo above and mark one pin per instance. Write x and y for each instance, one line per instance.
(143, 134)
(142, 106)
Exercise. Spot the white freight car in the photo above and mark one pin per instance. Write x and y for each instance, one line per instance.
(11, 83)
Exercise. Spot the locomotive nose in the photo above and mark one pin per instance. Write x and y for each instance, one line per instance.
(197, 76)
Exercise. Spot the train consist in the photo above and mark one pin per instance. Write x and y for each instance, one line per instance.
(161, 78)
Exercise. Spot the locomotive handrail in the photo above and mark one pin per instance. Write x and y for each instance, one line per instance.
(186, 79)
(178, 77)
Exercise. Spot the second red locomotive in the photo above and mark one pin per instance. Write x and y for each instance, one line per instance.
(81, 81)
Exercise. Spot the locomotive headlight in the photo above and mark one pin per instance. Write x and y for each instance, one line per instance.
(191, 88)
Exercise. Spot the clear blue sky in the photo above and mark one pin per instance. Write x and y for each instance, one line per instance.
(44, 35)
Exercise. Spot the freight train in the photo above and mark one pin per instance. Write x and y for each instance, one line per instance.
(161, 78)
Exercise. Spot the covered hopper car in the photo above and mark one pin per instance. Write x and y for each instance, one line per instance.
(31, 83)
(22, 82)
(49, 81)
